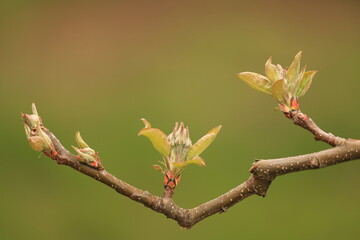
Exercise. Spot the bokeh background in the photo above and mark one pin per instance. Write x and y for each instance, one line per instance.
(99, 66)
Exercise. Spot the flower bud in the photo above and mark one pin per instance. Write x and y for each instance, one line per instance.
(86, 154)
(37, 138)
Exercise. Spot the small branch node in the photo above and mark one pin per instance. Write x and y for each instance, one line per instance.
(223, 209)
(314, 162)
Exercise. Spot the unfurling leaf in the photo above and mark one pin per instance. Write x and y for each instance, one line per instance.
(179, 165)
(279, 91)
(215, 130)
(80, 141)
(146, 123)
(48, 146)
(305, 83)
(196, 160)
(202, 143)
(157, 138)
(34, 110)
(256, 81)
(271, 71)
(158, 168)
(37, 143)
(85, 155)
(293, 71)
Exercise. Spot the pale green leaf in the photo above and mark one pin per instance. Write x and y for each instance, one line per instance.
(293, 71)
(80, 141)
(305, 83)
(37, 143)
(146, 123)
(256, 81)
(179, 165)
(278, 91)
(296, 84)
(215, 130)
(202, 143)
(271, 71)
(83, 157)
(196, 160)
(158, 139)
(48, 146)
(33, 108)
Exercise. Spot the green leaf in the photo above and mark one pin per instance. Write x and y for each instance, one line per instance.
(293, 71)
(271, 71)
(305, 83)
(256, 81)
(179, 165)
(196, 160)
(146, 123)
(157, 138)
(279, 91)
(80, 141)
(215, 130)
(296, 85)
(83, 156)
(48, 146)
(202, 143)
(33, 108)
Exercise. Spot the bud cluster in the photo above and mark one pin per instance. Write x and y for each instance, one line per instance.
(35, 134)
(177, 150)
(180, 143)
(85, 154)
(286, 85)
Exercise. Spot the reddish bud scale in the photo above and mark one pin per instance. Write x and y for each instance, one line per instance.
(94, 164)
(285, 110)
(294, 104)
(170, 181)
(53, 154)
(287, 115)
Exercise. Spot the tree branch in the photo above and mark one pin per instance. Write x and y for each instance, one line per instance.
(307, 123)
(263, 173)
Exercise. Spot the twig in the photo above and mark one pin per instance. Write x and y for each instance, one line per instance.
(263, 173)
(307, 123)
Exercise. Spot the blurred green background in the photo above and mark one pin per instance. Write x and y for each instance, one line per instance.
(99, 66)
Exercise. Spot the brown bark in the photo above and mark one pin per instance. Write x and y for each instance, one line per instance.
(263, 172)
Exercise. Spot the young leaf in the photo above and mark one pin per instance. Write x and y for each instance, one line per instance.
(33, 108)
(83, 157)
(146, 123)
(305, 83)
(80, 141)
(278, 91)
(196, 160)
(215, 130)
(200, 146)
(158, 139)
(179, 165)
(256, 81)
(298, 80)
(271, 71)
(37, 143)
(293, 71)
(158, 168)
(48, 146)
